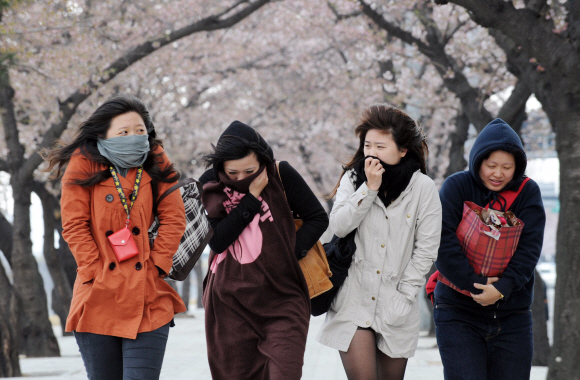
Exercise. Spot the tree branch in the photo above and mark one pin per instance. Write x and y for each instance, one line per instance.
(519, 64)
(448, 36)
(447, 67)
(390, 28)
(339, 16)
(515, 104)
(525, 28)
(537, 6)
(69, 106)
(35, 30)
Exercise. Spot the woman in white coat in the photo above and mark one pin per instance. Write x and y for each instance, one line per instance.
(395, 207)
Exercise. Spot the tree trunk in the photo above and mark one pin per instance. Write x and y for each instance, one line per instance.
(6, 238)
(65, 256)
(457, 160)
(564, 363)
(185, 290)
(199, 277)
(36, 335)
(62, 292)
(539, 311)
(9, 311)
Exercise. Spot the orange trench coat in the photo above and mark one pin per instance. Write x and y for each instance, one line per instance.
(112, 298)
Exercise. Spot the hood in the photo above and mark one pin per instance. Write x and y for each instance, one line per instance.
(498, 135)
(241, 130)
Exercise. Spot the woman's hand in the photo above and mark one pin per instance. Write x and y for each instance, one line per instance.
(490, 294)
(258, 184)
(374, 172)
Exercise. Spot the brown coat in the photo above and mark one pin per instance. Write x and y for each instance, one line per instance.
(112, 298)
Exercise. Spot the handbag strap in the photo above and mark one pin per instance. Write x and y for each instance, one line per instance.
(179, 184)
(121, 193)
(279, 176)
(510, 195)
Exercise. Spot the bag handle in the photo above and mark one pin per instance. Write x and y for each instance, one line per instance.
(179, 184)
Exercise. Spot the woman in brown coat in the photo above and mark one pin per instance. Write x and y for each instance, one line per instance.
(122, 308)
(257, 306)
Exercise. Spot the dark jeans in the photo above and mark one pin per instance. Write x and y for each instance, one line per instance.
(113, 358)
(477, 348)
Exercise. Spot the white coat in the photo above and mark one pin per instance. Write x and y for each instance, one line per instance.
(396, 247)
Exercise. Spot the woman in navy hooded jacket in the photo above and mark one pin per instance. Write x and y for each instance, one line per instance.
(488, 335)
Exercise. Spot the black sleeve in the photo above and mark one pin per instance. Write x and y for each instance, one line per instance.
(451, 261)
(228, 229)
(207, 176)
(305, 206)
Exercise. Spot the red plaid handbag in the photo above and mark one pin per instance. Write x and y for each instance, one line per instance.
(488, 256)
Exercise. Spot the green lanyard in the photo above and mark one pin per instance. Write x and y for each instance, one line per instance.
(122, 193)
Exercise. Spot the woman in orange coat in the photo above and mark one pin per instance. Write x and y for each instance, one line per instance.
(121, 309)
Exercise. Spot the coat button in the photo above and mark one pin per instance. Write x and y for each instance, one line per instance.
(408, 215)
(108, 233)
(109, 198)
(112, 266)
(386, 217)
(364, 193)
(368, 322)
(373, 298)
(136, 231)
(378, 272)
(246, 215)
(138, 266)
(382, 246)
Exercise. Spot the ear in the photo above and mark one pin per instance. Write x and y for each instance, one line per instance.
(403, 152)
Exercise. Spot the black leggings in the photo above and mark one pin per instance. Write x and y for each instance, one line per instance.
(364, 361)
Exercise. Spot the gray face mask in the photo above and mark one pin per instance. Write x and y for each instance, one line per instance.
(125, 152)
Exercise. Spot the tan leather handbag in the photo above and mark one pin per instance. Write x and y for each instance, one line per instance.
(314, 265)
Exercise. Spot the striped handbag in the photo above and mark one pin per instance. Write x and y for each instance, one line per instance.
(198, 231)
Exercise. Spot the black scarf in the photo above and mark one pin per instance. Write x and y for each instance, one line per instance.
(396, 178)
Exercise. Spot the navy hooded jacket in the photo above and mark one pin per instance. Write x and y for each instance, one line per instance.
(517, 281)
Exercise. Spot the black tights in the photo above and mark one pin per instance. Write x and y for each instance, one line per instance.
(364, 361)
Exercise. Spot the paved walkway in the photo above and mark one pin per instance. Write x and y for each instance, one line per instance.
(186, 358)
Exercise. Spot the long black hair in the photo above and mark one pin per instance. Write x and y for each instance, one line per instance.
(404, 130)
(238, 141)
(96, 127)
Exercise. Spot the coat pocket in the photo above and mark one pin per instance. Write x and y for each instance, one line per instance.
(397, 309)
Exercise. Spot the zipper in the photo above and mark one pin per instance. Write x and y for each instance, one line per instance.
(495, 312)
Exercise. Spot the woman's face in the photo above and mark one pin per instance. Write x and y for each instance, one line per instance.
(237, 170)
(127, 124)
(382, 145)
(498, 170)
